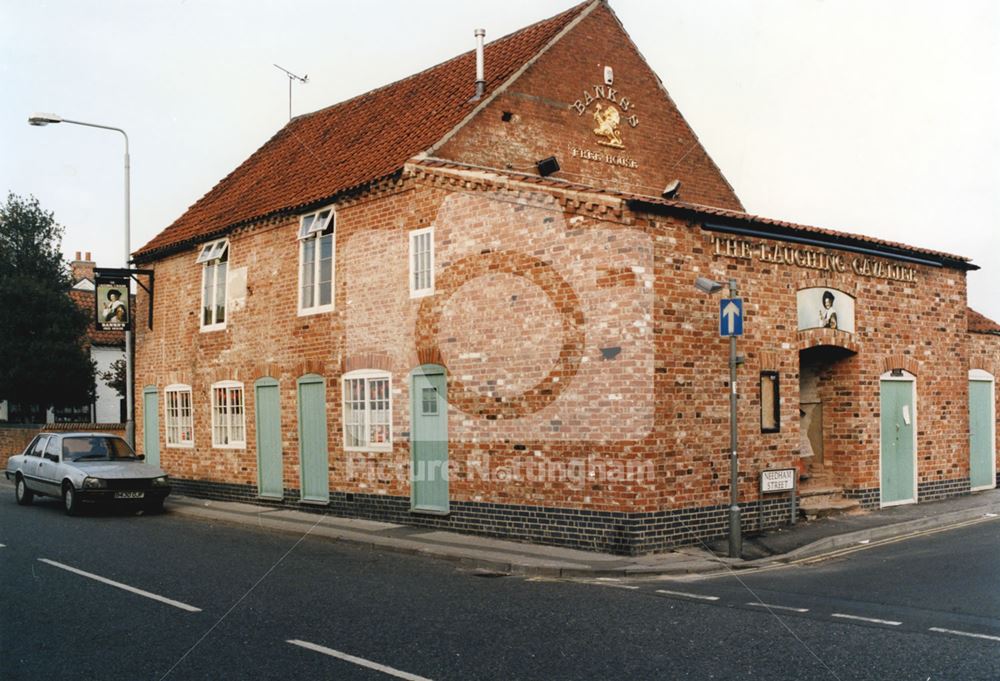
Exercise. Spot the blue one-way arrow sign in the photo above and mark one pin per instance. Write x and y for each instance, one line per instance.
(731, 317)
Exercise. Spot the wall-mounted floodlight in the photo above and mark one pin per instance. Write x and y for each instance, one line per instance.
(44, 119)
(670, 191)
(547, 166)
(706, 285)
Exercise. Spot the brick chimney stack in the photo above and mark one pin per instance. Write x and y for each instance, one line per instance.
(83, 268)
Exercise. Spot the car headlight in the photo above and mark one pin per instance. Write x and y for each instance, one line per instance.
(94, 483)
(161, 481)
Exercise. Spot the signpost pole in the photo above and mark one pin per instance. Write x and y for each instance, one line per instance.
(735, 534)
(795, 494)
(129, 350)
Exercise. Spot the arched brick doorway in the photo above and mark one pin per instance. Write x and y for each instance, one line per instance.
(828, 385)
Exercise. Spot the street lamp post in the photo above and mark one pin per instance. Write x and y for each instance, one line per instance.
(40, 119)
(706, 285)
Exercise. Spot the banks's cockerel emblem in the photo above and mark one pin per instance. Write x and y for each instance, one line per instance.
(608, 121)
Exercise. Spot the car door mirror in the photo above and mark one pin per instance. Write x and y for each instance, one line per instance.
(52, 457)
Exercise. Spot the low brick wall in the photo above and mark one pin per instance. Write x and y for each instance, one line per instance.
(14, 437)
(607, 532)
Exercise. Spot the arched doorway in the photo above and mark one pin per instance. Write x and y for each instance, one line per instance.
(825, 389)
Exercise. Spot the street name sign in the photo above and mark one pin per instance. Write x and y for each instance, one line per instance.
(777, 480)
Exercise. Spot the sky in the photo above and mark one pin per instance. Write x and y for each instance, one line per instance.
(878, 118)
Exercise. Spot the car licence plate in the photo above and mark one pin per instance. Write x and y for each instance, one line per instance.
(129, 495)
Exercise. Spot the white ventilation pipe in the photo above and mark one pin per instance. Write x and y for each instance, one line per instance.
(480, 34)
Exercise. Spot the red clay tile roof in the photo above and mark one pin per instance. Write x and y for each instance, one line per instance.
(319, 155)
(980, 323)
(85, 301)
(778, 227)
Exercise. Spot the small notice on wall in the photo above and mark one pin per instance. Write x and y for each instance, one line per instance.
(777, 480)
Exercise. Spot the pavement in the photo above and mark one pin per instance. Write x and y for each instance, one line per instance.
(802, 541)
(799, 542)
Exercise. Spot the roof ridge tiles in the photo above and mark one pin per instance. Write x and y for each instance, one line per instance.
(424, 72)
(316, 156)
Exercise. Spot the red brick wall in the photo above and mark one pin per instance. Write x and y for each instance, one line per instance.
(543, 121)
(916, 326)
(569, 325)
(500, 334)
(14, 438)
(524, 280)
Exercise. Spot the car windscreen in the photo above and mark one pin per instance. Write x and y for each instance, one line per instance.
(96, 448)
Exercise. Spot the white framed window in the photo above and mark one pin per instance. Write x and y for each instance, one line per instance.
(421, 262)
(215, 259)
(179, 416)
(368, 411)
(228, 415)
(317, 251)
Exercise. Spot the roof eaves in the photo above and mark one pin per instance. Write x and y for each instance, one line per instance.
(721, 219)
(148, 255)
(719, 216)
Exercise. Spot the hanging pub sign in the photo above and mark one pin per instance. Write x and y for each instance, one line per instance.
(111, 302)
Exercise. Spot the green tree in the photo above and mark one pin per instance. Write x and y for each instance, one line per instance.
(114, 377)
(42, 331)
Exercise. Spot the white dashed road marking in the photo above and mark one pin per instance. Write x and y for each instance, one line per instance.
(777, 607)
(614, 584)
(360, 661)
(965, 633)
(685, 594)
(119, 585)
(891, 623)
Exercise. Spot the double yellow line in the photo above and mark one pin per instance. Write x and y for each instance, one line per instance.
(882, 542)
(836, 553)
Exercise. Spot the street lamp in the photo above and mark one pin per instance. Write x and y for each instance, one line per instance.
(706, 285)
(42, 119)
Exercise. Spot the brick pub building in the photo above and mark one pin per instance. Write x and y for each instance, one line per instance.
(497, 280)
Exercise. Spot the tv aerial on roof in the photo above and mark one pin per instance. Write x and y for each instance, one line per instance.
(291, 77)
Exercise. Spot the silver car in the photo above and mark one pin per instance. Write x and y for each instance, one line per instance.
(86, 467)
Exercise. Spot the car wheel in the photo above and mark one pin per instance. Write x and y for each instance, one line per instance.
(23, 495)
(71, 503)
(154, 506)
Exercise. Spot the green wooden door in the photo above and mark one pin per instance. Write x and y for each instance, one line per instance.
(314, 477)
(981, 446)
(151, 425)
(429, 440)
(898, 460)
(268, 417)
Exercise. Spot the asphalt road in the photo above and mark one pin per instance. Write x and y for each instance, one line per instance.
(235, 597)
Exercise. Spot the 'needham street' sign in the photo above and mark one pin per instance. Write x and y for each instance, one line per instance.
(731, 317)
